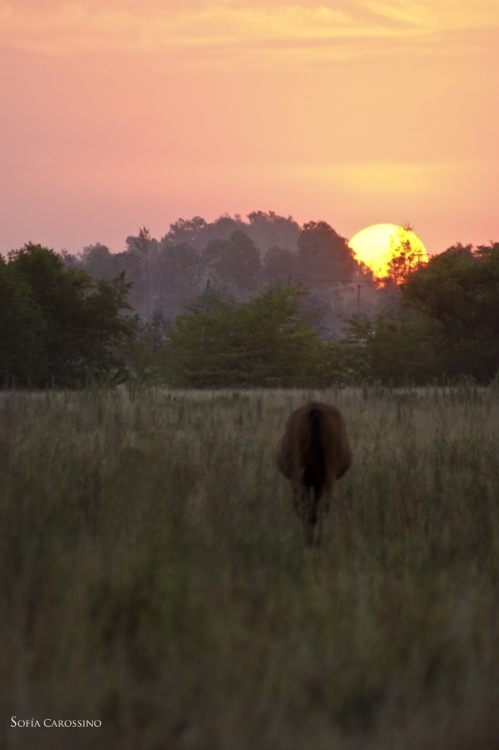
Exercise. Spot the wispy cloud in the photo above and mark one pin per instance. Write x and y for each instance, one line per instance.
(81, 26)
(233, 27)
(438, 15)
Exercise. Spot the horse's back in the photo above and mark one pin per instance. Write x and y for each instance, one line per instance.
(295, 447)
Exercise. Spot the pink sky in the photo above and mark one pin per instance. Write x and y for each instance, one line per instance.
(118, 114)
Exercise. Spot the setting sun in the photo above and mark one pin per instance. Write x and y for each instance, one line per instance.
(375, 246)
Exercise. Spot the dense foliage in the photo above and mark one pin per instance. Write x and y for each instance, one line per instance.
(248, 322)
(441, 326)
(458, 292)
(264, 342)
(58, 326)
(22, 328)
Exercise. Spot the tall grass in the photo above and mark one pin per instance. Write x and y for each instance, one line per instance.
(154, 575)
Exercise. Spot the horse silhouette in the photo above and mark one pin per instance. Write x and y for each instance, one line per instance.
(313, 453)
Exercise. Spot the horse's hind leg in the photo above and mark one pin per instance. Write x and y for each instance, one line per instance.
(324, 501)
(314, 518)
(317, 515)
(305, 509)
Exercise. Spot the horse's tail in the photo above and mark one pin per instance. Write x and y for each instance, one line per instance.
(315, 473)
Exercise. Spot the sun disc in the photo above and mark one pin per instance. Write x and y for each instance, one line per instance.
(376, 245)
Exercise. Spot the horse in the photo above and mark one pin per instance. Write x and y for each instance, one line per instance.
(313, 453)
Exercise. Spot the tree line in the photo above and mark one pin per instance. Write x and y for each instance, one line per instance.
(61, 327)
(441, 324)
(231, 259)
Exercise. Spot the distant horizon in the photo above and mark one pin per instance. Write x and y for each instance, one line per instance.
(116, 245)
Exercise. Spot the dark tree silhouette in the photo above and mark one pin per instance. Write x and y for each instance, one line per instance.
(323, 253)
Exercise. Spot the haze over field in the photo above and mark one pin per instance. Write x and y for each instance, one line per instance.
(118, 114)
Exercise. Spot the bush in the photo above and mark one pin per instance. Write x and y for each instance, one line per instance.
(265, 342)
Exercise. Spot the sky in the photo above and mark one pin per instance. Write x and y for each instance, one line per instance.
(120, 114)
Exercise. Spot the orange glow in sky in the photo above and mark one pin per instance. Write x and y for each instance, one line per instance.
(118, 114)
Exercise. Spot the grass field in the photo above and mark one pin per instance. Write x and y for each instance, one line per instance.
(154, 576)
